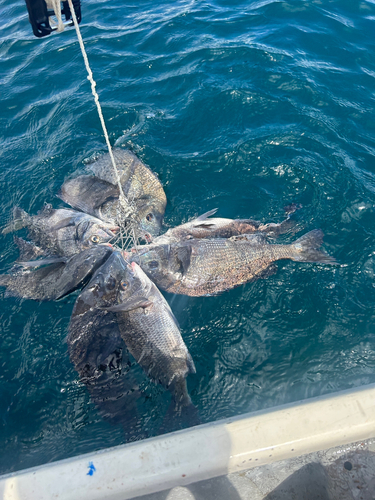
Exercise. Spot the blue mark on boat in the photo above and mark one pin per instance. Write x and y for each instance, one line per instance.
(91, 469)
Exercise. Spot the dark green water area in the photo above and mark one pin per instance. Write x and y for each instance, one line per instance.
(246, 106)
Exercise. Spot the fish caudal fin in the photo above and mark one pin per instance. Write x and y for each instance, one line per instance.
(182, 412)
(20, 220)
(307, 248)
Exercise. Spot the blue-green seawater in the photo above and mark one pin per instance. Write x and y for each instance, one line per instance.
(247, 106)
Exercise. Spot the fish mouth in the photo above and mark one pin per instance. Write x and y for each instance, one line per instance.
(133, 266)
(138, 273)
(130, 264)
(127, 255)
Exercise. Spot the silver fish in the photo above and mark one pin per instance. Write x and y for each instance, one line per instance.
(146, 323)
(98, 194)
(62, 232)
(99, 354)
(55, 277)
(209, 266)
(206, 227)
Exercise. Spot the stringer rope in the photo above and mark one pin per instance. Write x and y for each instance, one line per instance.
(55, 5)
(122, 198)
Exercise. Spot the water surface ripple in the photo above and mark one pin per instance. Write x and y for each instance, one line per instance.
(242, 105)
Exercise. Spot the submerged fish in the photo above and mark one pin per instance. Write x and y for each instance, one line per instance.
(62, 232)
(145, 321)
(98, 194)
(206, 227)
(99, 355)
(209, 266)
(54, 278)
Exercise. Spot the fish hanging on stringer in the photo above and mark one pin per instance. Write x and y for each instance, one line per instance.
(53, 15)
(99, 195)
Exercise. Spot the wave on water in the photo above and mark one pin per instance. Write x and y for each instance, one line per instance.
(241, 106)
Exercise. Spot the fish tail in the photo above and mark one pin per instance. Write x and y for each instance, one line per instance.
(307, 248)
(178, 389)
(189, 415)
(20, 220)
(182, 412)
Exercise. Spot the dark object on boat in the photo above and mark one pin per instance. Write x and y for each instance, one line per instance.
(39, 16)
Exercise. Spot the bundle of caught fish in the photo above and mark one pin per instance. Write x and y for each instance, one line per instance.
(120, 310)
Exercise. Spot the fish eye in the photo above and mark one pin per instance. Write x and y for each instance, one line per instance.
(154, 264)
(149, 217)
(124, 284)
(95, 238)
(111, 283)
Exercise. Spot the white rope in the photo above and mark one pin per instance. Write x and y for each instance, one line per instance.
(122, 198)
(55, 5)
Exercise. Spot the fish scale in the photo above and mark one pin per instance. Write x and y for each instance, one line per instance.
(122, 296)
(98, 193)
(62, 232)
(208, 266)
(154, 339)
(209, 275)
(204, 226)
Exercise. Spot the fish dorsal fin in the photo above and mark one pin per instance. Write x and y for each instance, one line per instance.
(43, 262)
(206, 215)
(87, 193)
(67, 222)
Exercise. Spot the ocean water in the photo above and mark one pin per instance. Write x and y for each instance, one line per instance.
(244, 106)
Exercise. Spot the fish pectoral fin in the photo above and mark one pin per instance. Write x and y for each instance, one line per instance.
(184, 256)
(87, 192)
(104, 192)
(43, 262)
(143, 201)
(207, 214)
(252, 239)
(67, 222)
(130, 305)
(206, 225)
